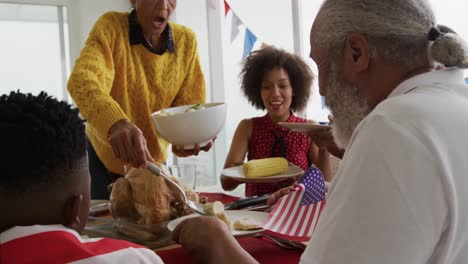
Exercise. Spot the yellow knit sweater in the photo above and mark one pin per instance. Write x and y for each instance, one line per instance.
(113, 80)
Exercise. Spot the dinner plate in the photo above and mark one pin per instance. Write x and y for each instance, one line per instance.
(303, 127)
(233, 215)
(238, 174)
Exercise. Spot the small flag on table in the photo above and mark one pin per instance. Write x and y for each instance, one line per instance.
(295, 215)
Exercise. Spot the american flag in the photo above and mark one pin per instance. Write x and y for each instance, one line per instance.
(295, 215)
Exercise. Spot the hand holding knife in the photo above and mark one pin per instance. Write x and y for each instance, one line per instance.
(247, 202)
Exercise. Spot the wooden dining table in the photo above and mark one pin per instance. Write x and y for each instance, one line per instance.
(264, 250)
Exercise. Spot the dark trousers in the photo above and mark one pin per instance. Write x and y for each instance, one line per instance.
(100, 176)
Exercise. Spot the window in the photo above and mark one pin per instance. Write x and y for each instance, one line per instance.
(194, 15)
(34, 51)
(315, 109)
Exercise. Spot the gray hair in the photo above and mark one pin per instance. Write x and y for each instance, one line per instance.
(397, 30)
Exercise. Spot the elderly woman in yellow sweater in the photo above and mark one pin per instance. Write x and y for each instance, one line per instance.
(132, 65)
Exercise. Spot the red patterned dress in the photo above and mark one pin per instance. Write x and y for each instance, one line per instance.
(270, 140)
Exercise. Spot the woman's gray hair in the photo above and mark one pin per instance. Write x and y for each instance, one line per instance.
(448, 48)
(397, 30)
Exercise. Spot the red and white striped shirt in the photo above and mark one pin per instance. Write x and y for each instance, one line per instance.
(58, 244)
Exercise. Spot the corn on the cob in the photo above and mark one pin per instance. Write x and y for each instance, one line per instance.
(265, 167)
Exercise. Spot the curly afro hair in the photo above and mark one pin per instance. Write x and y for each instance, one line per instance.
(41, 141)
(260, 62)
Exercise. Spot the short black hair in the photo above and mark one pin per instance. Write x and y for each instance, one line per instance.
(41, 139)
(260, 62)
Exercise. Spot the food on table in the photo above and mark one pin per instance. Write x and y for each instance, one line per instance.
(246, 224)
(202, 199)
(216, 209)
(265, 167)
(142, 198)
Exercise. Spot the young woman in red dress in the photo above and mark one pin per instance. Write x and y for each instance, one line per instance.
(280, 83)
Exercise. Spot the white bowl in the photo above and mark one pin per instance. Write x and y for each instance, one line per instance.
(190, 128)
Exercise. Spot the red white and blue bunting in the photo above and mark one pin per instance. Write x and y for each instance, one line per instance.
(249, 37)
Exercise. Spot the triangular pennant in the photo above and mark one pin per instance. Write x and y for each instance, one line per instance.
(226, 8)
(249, 42)
(235, 26)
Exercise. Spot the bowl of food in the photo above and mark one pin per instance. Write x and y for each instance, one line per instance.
(190, 125)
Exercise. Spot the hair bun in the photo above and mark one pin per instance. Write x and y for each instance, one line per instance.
(433, 34)
(450, 50)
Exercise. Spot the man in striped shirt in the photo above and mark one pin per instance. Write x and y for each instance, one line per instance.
(45, 186)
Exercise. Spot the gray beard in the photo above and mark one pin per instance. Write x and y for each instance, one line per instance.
(347, 107)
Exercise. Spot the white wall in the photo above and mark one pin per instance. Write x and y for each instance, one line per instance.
(192, 13)
(83, 14)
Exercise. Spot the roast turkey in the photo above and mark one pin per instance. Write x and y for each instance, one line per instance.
(148, 201)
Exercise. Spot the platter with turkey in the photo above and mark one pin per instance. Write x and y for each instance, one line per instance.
(142, 205)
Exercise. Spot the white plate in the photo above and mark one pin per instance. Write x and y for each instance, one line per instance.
(233, 215)
(303, 127)
(237, 174)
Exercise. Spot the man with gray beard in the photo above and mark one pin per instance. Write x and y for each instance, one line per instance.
(400, 193)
